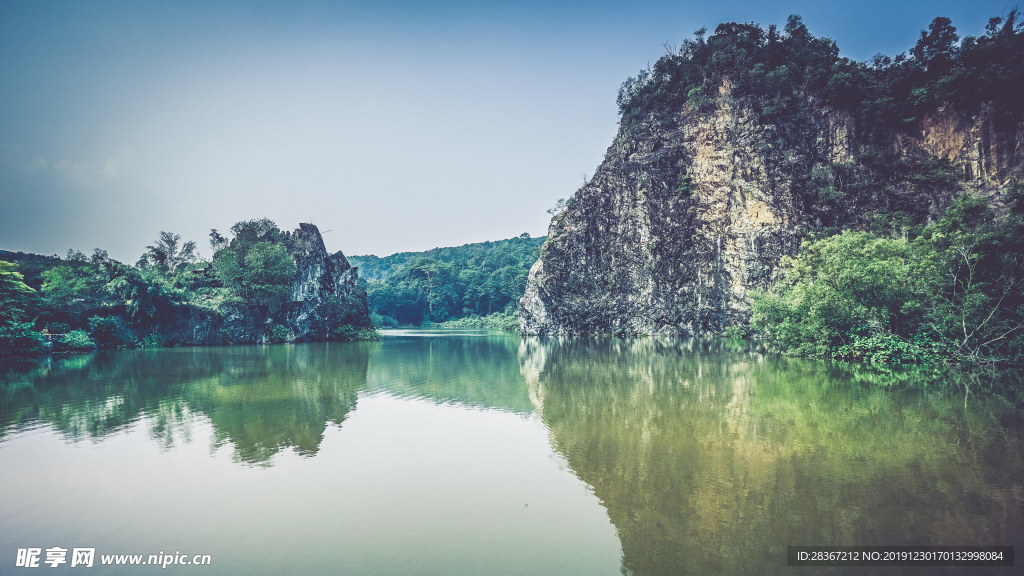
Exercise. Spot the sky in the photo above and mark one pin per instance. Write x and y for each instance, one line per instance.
(392, 125)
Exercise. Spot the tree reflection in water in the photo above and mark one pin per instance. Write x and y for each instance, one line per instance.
(259, 399)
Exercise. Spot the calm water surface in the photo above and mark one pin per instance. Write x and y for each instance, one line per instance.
(477, 453)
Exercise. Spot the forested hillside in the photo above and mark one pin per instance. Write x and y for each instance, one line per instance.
(467, 282)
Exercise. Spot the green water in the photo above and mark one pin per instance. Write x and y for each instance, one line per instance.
(478, 453)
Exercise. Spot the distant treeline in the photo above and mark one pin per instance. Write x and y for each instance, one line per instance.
(445, 285)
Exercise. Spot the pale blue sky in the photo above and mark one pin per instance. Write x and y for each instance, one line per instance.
(397, 126)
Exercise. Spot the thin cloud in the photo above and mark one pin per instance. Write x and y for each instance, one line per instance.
(90, 174)
(116, 163)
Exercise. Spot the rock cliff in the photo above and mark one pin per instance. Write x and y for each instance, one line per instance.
(690, 212)
(325, 293)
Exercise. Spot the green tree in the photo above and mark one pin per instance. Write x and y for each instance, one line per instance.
(978, 297)
(937, 48)
(68, 293)
(955, 293)
(167, 255)
(17, 337)
(249, 232)
(853, 295)
(254, 265)
(14, 293)
(267, 273)
(228, 267)
(217, 241)
(433, 282)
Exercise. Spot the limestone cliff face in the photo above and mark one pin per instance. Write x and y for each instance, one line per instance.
(986, 147)
(687, 215)
(319, 274)
(325, 293)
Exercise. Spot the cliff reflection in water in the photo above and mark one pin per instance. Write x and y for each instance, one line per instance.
(261, 400)
(712, 458)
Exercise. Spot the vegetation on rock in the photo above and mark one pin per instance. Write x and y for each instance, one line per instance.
(776, 67)
(171, 298)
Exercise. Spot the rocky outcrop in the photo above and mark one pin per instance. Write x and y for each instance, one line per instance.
(687, 215)
(672, 231)
(325, 292)
(985, 148)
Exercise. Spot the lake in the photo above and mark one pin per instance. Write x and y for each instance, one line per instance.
(483, 453)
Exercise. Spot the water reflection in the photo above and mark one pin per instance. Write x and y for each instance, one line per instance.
(714, 460)
(281, 397)
(472, 369)
(709, 456)
(259, 399)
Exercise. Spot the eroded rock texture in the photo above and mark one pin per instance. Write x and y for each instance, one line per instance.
(325, 292)
(686, 215)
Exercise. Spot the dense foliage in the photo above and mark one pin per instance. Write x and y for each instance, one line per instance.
(775, 67)
(475, 284)
(15, 301)
(954, 293)
(255, 266)
(171, 297)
